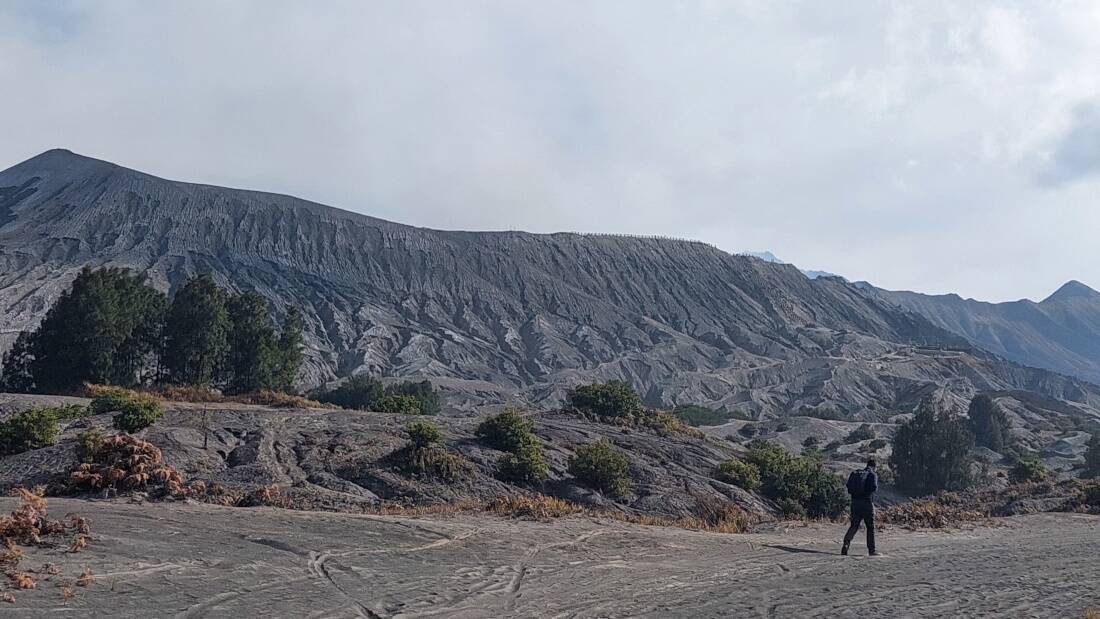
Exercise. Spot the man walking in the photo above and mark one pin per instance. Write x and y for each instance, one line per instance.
(862, 485)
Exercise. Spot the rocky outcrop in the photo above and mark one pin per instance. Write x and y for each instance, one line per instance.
(497, 316)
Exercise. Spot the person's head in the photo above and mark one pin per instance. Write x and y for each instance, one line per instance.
(871, 463)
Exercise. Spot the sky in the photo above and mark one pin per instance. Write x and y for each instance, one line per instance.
(922, 145)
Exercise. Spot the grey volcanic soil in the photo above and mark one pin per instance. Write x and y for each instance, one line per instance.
(204, 561)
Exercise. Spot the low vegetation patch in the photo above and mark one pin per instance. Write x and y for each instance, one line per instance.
(26, 430)
(1027, 470)
(739, 473)
(695, 415)
(799, 485)
(940, 511)
(30, 525)
(133, 411)
(601, 467)
(863, 433)
(368, 393)
(424, 456)
(611, 399)
(525, 466)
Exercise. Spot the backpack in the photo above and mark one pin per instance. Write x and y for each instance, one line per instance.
(857, 482)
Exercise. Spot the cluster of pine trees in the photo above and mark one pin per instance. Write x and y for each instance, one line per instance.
(111, 327)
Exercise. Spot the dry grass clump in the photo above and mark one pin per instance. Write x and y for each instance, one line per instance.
(124, 461)
(277, 399)
(30, 525)
(936, 512)
(532, 506)
(200, 394)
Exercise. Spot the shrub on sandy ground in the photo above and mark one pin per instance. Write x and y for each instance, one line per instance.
(30, 525)
(89, 444)
(423, 434)
(862, 433)
(277, 399)
(364, 393)
(26, 430)
(133, 410)
(536, 507)
(740, 474)
(695, 415)
(799, 485)
(600, 466)
(932, 452)
(507, 431)
(128, 462)
(611, 399)
(397, 404)
(1027, 469)
(1092, 457)
(943, 510)
(525, 465)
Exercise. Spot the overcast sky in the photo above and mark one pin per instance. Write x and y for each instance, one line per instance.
(939, 147)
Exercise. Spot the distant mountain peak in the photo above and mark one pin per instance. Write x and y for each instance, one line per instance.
(1072, 289)
(768, 256)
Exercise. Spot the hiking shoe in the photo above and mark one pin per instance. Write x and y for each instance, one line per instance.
(872, 554)
(844, 550)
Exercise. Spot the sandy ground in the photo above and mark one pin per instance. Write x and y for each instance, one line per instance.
(179, 560)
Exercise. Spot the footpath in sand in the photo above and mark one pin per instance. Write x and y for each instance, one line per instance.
(182, 560)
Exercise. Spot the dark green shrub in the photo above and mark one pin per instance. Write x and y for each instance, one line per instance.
(932, 452)
(862, 433)
(600, 466)
(133, 411)
(785, 478)
(782, 426)
(749, 430)
(69, 412)
(740, 474)
(877, 444)
(611, 399)
(695, 415)
(26, 430)
(89, 445)
(989, 423)
(423, 434)
(811, 442)
(525, 465)
(398, 404)
(358, 392)
(506, 431)
(1027, 469)
(427, 398)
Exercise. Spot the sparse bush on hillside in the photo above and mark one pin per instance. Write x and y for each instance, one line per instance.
(740, 474)
(611, 399)
(1027, 469)
(782, 426)
(874, 445)
(600, 466)
(30, 429)
(89, 444)
(357, 392)
(525, 465)
(749, 430)
(133, 411)
(367, 393)
(862, 433)
(423, 434)
(398, 404)
(506, 431)
(811, 442)
(932, 452)
(790, 480)
(695, 415)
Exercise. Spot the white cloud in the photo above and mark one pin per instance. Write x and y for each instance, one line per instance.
(791, 126)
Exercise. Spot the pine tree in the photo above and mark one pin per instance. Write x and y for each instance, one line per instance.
(253, 347)
(290, 350)
(932, 452)
(196, 333)
(15, 374)
(988, 423)
(104, 329)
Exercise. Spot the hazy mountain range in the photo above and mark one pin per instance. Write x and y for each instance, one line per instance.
(499, 316)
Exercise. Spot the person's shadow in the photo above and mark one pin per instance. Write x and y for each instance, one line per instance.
(797, 550)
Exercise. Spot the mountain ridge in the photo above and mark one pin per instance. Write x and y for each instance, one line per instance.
(497, 316)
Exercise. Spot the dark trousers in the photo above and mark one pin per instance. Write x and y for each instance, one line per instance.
(862, 511)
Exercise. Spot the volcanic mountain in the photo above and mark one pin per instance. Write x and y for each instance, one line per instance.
(494, 317)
